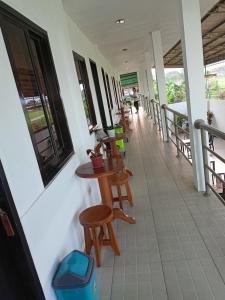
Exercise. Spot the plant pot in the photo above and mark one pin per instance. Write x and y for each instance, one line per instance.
(111, 132)
(97, 162)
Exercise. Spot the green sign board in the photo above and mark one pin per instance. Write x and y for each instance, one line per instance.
(129, 79)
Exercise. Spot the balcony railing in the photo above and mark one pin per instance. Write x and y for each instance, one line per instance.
(209, 161)
(178, 132)
(156, 113)
(179, 135)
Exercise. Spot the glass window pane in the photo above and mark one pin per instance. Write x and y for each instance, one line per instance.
(30, 93)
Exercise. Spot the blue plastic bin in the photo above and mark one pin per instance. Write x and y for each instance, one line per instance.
(75, 278)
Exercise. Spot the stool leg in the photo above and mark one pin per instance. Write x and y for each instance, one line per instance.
(113, 240)
(129, 194)
(119, 196)
(96, 246)
(103, 232)
(88, 240)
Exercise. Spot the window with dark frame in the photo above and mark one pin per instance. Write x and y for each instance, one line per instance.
(107, 96)
(94, 71)
(109, 90)
(119, 94)
(115, 91)
(33, 68)
(82, 75)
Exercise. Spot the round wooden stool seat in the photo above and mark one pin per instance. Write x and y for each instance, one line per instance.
(97, 215)
(98, 230)
(118, 180)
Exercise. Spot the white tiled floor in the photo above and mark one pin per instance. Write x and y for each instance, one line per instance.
(176, 250)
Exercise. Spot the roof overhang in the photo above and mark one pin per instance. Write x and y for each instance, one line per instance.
(213, 38)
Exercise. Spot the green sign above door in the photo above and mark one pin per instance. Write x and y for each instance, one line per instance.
(129, 79)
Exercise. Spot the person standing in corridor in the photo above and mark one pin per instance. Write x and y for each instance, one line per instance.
(136, 99)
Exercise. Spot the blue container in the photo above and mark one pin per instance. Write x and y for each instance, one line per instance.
(75, 278)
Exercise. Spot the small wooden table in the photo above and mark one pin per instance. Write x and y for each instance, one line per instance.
(111, 166)
(112, 141)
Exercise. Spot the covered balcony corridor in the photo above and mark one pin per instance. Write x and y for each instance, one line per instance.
(177, 248)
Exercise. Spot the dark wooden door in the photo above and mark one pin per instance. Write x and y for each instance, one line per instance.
(18, 277)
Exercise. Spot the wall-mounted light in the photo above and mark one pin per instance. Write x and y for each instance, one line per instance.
(120, 21)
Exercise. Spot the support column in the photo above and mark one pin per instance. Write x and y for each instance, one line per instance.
(141, 82)
(160, 75)
(191, 37)
(145, 82)
(149, 76)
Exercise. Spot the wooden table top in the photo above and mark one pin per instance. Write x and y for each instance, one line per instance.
(118, 136)
(111, 166)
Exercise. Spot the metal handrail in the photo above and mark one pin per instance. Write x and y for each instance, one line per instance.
(205, 128)
(200, 124)
(157, 102)
(157, 113)
(182, 147)
(164, 106)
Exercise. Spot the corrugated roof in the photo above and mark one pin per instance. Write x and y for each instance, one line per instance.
(213, 37)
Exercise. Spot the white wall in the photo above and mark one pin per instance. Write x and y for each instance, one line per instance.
(180, 107)
(49, 215)
(86, 49)
(218, 109)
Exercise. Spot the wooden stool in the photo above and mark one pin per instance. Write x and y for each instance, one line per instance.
(98, 216)
(118, 180)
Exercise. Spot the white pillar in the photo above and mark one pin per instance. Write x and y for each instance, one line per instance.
(191, 37)
(140, 81)
(145, 82)
(160, 75)
(149, 76)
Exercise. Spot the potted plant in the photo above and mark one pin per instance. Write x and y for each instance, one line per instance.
(96, 156)
(111, 131)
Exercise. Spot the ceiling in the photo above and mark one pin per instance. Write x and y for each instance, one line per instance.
(96, 19)
(213, 37)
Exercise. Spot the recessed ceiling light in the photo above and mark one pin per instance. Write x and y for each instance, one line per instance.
(120, 21)
(124, 49)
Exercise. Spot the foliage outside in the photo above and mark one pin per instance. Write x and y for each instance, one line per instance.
(175, 86)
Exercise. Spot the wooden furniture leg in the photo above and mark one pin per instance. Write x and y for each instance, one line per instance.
(88, 240)
(119, 196)
(107, 199)
(119, 214)
(97, 246)
(129, 194)
(113, 239)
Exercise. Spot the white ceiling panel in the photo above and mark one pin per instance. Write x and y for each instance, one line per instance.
(96, 19)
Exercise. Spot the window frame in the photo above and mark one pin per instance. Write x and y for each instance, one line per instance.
(107, 95)
(91, 109)
(52, 167)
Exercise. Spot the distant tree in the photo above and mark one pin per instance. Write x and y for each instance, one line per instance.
(175, 92)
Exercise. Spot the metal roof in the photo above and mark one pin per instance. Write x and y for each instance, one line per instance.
(213, 37)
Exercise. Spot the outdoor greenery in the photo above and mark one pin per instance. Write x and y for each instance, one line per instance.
(175, 92)
(215, 88)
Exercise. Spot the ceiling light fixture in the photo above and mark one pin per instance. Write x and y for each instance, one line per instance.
(120, 21)
(124, 49)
